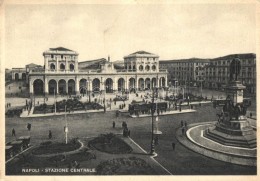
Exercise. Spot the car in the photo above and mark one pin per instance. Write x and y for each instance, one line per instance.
(25, 140)
(17, 146)
(9, 152)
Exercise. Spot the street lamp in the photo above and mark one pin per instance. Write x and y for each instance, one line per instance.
(153, 111)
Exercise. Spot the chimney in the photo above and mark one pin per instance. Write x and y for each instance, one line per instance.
(108, 58)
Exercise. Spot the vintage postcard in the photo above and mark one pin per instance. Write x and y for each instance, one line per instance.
(136, 88)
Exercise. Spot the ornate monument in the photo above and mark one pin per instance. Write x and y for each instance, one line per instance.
(233, 128)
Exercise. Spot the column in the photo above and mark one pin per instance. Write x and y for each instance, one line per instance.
(115, 84)
(166, 81)
(76, 64)
(57, 65)
(46, 63)
(57, 88)
(158, 82)
(66, 66)
(136, 84)
(90, 85)
(77, 85)
(31, 87)
(102, 86)
(46, 86)
(67, 87)
(126, 83)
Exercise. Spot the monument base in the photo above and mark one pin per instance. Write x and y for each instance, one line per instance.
(236, 133)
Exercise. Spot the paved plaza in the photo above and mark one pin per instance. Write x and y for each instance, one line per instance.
(181, 161)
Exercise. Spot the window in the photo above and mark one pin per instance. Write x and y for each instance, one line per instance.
(62, 66)
(52, 66)
(134, 67)
(154, 67)
(51, 56)
(71, 67)
(141, 68)
(147, 67)
(62, 57)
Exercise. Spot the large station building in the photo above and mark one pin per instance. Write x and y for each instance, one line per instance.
(63, 74)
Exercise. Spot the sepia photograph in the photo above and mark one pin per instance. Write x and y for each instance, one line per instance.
(129, 88)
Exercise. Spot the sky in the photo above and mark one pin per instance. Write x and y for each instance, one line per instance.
(95, 31)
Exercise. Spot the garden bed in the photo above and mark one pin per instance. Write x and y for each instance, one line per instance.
(125, 166)
(71, 104)
(56, 147)
(14, 111)
(110, 143)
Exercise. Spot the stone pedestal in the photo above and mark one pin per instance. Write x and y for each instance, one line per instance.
(233, 129)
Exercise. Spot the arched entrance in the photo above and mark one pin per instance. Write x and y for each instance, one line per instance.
(96, 85)
(71, 87)
(109, 85)
(141, 84)
(162, 82)
(62, 86)
(147, 83)
(23, 76)
(83, 86)
(121, 84)
(16, 76)
(132, 85)
(38, 87)
(52, 86)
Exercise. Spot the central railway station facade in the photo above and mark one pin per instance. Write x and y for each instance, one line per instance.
(63, 74)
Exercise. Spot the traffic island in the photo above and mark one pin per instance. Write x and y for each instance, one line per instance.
(110, 143)
(50, 148)
(195, 140)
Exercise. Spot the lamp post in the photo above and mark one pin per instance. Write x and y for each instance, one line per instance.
(153, 111)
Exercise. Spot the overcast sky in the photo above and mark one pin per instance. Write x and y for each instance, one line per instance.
(96, 31)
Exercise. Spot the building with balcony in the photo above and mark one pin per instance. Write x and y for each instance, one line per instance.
(63, 74)
(217, 72)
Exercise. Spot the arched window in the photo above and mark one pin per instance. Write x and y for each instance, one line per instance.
(62, 66)
(52, 66)
(147, 67)
(129, 66)
(141, 67)
(154, 67)
(71, 67)
(134, 67)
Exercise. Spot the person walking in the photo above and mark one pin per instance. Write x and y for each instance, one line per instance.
(29, 126)
(183, 130)
(182, 123)
(251, 114)
(173, 146)
(114, 124)
(50, 134)
(13, 132)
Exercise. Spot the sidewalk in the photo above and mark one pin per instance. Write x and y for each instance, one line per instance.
(164, 113)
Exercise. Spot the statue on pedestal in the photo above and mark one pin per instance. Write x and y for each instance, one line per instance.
(235, 67)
